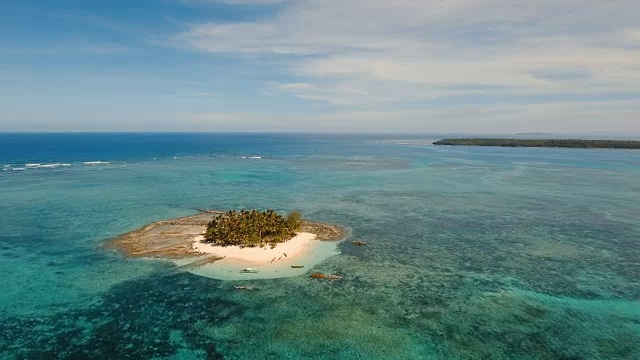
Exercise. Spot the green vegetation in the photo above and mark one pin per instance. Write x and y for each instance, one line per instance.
(564, 143)
(252, 228)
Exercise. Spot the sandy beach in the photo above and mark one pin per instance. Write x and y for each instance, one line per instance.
(302, 250)
(287, 251)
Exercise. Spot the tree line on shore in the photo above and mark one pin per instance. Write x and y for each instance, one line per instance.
(565, 143)
(252, 228)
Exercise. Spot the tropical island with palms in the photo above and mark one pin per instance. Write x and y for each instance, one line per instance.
(252, 228)
(221, 244)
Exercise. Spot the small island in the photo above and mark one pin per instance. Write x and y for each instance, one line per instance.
(551, 143)
(222, 244)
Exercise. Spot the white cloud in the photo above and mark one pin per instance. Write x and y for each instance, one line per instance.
(359, 53)
(568, 117)
(632, 37)
(72, 48)
(257, 2)
(604, 117)
(202, 94)
(239, 2)
(332, 93)
(321, 26)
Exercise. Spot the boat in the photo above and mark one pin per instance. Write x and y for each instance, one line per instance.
(249, 271)
(359, 242)
(323, 276)
(297, 266)
(242, 287)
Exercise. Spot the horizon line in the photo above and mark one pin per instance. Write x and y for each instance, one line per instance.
(533, 133)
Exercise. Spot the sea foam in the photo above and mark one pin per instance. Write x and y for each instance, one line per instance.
(44, 166)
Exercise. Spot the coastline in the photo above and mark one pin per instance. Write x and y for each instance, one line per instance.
(179, 241)
(541, 143)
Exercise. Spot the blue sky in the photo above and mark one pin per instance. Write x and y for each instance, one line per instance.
(424, 66)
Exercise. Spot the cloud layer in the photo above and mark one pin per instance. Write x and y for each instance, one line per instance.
(364, 53)
(460, 66)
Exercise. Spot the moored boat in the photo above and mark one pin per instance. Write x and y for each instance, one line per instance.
(297, 266)
(249, 271)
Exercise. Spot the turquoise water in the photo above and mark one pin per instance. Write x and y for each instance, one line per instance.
(473, 253)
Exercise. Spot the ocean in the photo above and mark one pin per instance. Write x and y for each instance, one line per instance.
(472, 253)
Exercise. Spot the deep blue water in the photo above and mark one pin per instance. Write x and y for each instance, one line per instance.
(473, 253)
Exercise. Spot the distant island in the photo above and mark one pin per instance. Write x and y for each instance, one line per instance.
(552, 143)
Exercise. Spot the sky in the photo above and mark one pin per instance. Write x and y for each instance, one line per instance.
(391, 66)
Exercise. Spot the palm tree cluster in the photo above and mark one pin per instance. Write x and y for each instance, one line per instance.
(252, 228)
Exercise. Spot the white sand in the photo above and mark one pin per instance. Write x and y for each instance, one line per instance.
(303, 249)
(264, 255)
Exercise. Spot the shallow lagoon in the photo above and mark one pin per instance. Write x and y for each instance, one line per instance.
(472, 252)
